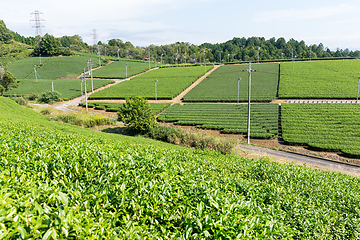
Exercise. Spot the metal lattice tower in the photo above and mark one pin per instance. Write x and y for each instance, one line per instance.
(94, 35)
(37, 25)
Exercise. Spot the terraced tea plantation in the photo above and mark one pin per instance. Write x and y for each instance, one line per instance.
(229, 118)
(115, 107)
(334, 127)
(69, 88)
(171, 82)
(52, 68)
(336, 79)
(23, 68)
(117, 69)
(222, 84)
(59, 181)
(65, 67)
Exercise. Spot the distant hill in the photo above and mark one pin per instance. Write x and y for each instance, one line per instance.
(10, 49)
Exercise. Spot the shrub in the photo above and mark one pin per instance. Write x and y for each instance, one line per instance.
(45, 111)
(33, 96)
(20, 101)
(188, 139)
(137, 114)
(49, 97)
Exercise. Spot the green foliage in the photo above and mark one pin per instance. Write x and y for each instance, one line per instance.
(328, 126)
(20, 101)
(228, 118)
(49, 97)
(62, 181)
(189, 139)
(5, 33)
(7, 81)
(137, 114)
(222, 84)
(335, 79)
(115, 107)
(171, 82)
(49, 46)
(85, 120)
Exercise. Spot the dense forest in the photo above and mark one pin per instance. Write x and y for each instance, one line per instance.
(234, 50)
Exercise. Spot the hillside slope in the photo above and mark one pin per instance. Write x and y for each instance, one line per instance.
(62, 181)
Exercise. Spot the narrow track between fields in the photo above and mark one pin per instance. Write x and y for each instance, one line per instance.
(323, 163)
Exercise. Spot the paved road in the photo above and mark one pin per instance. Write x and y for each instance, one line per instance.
(306, 159)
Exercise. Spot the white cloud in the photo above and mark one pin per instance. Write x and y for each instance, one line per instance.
(301, 14)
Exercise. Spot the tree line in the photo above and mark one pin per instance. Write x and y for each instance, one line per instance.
(237, 49)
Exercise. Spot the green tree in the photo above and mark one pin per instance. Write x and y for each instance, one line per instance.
(7, 81)
(137, 114)
(5, 34)
(47, 46)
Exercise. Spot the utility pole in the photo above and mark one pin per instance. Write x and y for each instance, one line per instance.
(249, 95)
(155, 91)
(37, 25)
(205, 63)
(82, 87)
(294, 64)
(238, 89)
(357, 98)
(92, 81)
(86, 104)
(52, 86)
(220, 57)
(99, 55)
(35, 73)
(94, 36)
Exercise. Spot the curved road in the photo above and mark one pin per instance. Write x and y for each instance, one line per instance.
(331, 165)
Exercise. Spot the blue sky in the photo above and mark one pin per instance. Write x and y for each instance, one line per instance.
(144, 22)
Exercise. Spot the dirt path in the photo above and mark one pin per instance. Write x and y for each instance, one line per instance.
(177, 99)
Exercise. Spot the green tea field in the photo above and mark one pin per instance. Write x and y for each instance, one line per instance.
(117, 69)
(171, 82)
(332, 127)
(23, 68)
(335, 79)
(229, 118)
(60, 181)
(222, 84)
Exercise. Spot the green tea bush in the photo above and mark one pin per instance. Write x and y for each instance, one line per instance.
(59, 181)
